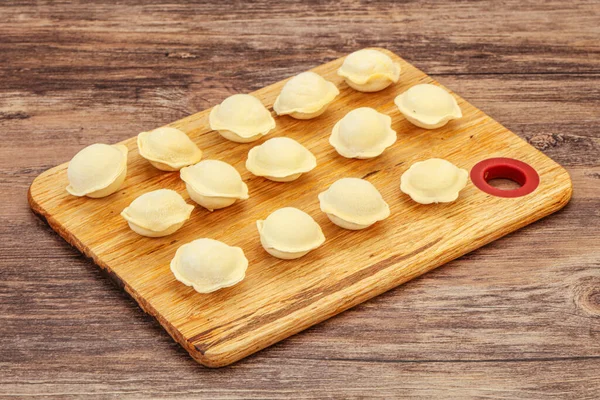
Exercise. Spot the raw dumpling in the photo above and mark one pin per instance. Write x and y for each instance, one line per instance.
(353, 203)
(280, 159)
(369, 70)
(305, 96)
(289, 233)
(362, 133)
(97, 170)
(214, 184)
(433, 181)
(241, 118)
(168, 149)
(428, 106)
(208, 265)
(158, 213)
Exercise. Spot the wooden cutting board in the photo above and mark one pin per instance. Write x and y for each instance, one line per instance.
(280, 298)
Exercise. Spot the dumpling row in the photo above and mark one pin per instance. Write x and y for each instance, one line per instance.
(289, 233)
(350, 203)
(212, 184)
(99, 170)
(354, 204)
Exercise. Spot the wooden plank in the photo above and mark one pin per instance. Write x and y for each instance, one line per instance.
(277, 298)
(560, 379)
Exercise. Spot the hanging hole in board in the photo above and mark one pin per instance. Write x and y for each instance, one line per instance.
(505, 177)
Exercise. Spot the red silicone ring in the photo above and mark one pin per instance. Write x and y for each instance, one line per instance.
(506, 168)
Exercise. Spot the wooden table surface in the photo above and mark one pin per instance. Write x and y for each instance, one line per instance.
(519, 318)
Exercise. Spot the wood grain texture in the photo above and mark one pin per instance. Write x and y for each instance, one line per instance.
(527, 327)
(279, 298)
